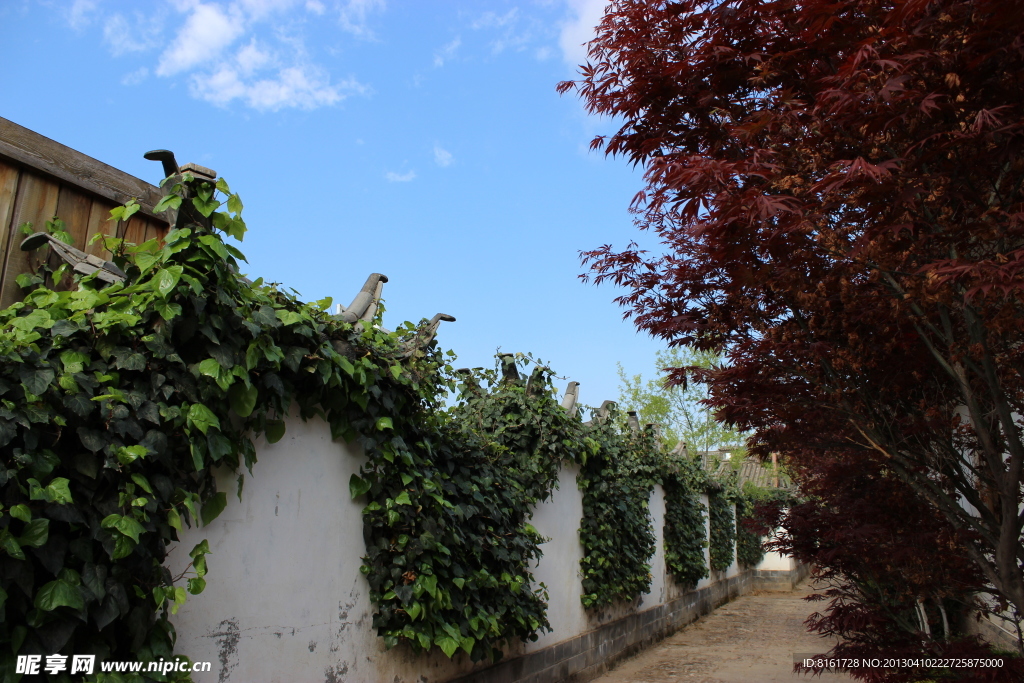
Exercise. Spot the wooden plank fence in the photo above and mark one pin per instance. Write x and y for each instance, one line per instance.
(41, 179)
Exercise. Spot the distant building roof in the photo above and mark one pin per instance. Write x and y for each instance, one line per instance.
(718, 464)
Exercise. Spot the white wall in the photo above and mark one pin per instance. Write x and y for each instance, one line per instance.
(285, 599)
(777, 562)
(558, 518)
(707, 541)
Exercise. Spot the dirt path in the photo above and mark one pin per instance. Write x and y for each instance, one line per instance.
(750, 640)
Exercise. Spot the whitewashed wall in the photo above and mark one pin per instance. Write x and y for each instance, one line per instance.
(285, 600)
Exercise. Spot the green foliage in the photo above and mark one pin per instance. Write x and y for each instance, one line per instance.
(685, 532)
(678, 409)
(723, 530)
(616, 530)
(749, 550)
(451, 547)
(115, 404)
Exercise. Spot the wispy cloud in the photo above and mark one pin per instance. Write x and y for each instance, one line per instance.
(79, 14)
(135, 77)
(495, 20)
(259, 79)
(442, 157)
(139, 33)
(400, 177)
(208, 30)
(353, 15)
(447, 52)
(250, 52)
(512, 30)
(578, 29)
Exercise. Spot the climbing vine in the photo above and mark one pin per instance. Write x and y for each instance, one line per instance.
(116, 402)
(749, 550)
(616, 529)
(685, 530)
(452, 548)
(723, 530)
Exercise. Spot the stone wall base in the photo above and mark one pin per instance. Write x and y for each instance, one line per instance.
(591, 654)
(780, 579)
(587, 656)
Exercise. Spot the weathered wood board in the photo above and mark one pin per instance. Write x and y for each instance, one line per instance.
(41, 179)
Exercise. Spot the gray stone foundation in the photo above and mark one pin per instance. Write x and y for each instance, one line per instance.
(587, 656)
(780, 579)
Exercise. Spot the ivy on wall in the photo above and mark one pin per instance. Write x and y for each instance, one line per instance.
(685, 530)
(723, 530)
(616, 529)
(116, 402)
(449, 544)
(749, 549)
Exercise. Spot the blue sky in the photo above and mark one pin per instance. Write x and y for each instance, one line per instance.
(423, 140)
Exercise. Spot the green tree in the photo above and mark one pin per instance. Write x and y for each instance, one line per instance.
(678, 409)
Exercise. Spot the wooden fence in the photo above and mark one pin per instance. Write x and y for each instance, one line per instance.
(41, 179)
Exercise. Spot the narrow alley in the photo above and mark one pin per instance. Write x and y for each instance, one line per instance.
(750, 640)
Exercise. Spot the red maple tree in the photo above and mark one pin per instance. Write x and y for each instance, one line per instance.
(838, 189)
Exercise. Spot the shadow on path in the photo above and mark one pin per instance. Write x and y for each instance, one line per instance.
(749, 640)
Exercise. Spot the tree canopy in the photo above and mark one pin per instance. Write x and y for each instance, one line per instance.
(678, 410)
(838, 189)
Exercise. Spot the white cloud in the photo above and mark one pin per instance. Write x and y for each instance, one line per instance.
(251, 57)
(208, 30)
(447, 52)
(513, 31)
(302, 87)
(79, 14)
(400, 178)
(495, 20)
(135, 77)
(139, 34)
(579, 29)
(250, 52)
(353, 16)
(442, 157)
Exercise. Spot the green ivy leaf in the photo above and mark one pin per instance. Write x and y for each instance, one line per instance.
(35, 533)
(174, 519)
(166, 280)
(36, 380)
(202, 418)
(11, 545)
(170, 201)
(429, 583)
(357, 486)
(448, 645)
(384, 423)
(213, 506)
(59, 593)
(129, 454)
(21, 512)
(243, 399)
(403, 499)
(274, 431)
(127, 526)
